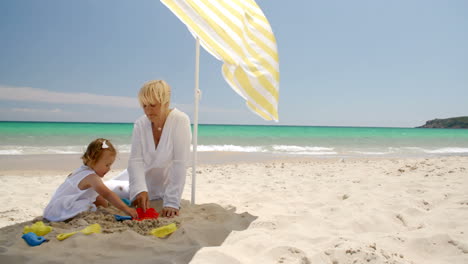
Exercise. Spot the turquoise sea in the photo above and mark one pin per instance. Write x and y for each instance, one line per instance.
(21, 138)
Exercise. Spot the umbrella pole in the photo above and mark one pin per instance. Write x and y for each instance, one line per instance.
(195, 119)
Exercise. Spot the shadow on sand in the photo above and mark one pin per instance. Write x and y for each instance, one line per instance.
(204, 225)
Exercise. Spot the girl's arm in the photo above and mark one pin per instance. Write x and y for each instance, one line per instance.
(96, 183)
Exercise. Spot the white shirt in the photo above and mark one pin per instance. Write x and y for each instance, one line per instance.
(160, 171)
(69, 200)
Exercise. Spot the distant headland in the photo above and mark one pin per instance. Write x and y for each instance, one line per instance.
(454, 122)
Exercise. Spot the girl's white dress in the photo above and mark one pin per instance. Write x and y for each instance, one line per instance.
(68, 200)
(159, 171)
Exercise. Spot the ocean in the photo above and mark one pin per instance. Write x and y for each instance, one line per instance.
(23, 138)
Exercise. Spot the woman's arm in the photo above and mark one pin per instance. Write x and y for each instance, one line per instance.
(178, 172)
(96, 183)
(136, 169)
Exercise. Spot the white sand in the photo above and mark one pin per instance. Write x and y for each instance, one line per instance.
(309, 211)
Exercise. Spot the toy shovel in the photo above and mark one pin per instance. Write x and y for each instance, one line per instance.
(94, 228)
(164, 230)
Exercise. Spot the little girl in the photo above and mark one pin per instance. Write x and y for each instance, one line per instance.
(83, 189)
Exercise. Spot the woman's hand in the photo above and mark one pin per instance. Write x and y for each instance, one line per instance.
(142, 201)
(169, 212)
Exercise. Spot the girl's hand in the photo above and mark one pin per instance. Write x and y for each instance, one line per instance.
(132, 212)
(169, 212)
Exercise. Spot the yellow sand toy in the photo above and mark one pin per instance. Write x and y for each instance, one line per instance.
(164, 230)
(94, 228)
(37, 228)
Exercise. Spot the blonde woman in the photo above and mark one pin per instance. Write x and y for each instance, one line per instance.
(159, 154)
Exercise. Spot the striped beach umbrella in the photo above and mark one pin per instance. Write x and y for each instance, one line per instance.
(237, 33)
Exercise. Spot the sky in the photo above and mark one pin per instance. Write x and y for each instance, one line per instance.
(342, 63)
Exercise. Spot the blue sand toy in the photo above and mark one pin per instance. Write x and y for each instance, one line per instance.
(34, 240)
(122, 217)
(126, 201)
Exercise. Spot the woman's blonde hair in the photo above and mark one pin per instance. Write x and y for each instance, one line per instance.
(154, 91)
(95, 149)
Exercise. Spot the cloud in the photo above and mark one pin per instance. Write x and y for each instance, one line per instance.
(35, 110)
(119, 108)
(29, 94)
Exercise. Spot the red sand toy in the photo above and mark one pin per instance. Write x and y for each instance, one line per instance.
(149, 214)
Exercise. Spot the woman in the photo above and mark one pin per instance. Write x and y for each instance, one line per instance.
(159, 154)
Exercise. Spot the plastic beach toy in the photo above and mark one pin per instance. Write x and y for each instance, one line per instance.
(149, 214)
(126, 201)
(94, 228)
(33, 240)
(164, 230)
(37, 228)
(122, 217)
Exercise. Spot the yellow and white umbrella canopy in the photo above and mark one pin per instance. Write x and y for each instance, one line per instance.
(238, 33)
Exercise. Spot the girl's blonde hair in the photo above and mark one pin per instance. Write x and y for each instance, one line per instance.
(95, 149)
(154, 91)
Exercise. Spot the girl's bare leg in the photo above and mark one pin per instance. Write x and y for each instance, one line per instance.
(100, 201)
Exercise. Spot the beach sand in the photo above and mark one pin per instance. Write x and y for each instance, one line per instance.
(335, 211)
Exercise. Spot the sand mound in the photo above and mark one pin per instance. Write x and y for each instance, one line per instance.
(199, 226)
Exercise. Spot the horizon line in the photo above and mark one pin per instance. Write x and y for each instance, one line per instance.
(210, 124)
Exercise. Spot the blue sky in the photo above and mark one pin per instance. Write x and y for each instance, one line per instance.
(342, 63)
